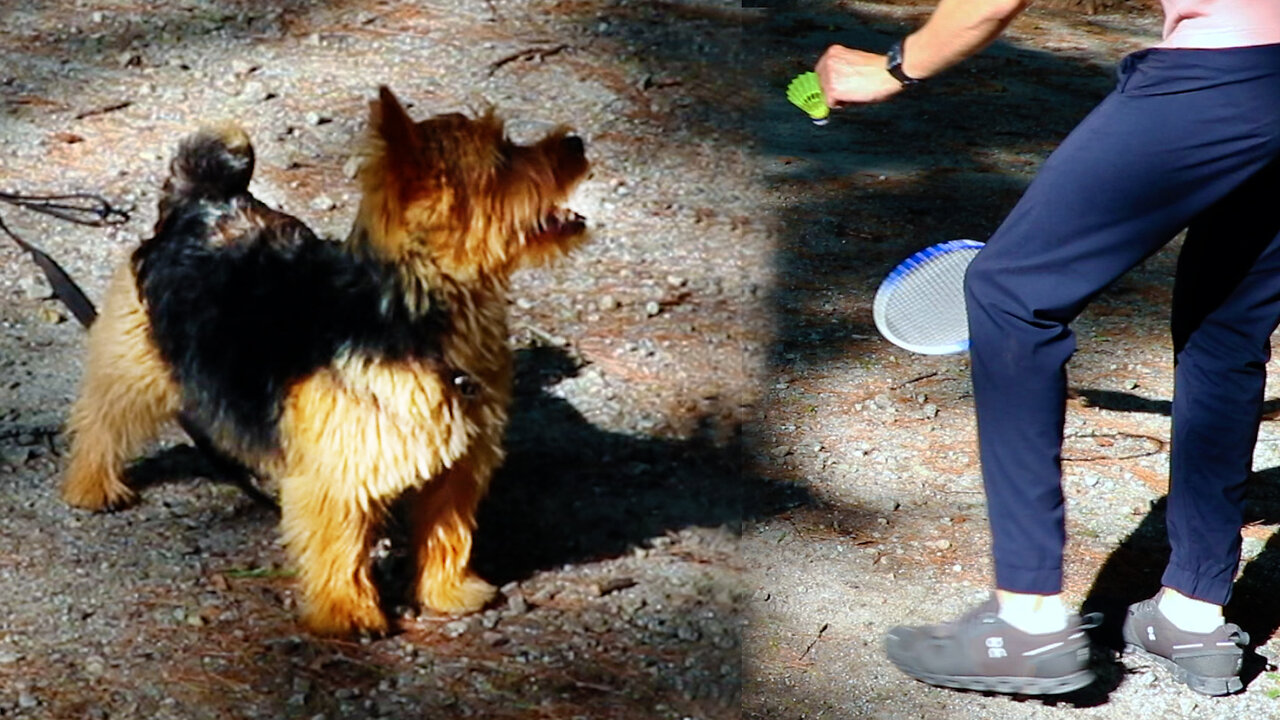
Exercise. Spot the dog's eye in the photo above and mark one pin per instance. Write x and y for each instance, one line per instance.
(465, 384)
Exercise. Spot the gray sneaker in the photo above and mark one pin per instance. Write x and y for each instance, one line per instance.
(1208, 663)
(979, 651)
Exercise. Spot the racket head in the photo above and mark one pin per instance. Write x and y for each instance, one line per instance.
(920, 304)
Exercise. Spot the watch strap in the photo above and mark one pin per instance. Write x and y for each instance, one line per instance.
(894, 65)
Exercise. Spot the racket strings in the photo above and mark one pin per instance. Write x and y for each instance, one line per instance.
(921, 306)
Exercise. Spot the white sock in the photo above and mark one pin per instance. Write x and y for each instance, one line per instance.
(1036, 614)
(1189, 614)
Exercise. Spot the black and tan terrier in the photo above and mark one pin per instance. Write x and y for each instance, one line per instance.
(355, 374)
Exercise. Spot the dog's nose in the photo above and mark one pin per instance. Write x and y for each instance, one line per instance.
(573, 144)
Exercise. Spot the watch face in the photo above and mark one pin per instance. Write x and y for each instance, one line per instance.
(895, 55)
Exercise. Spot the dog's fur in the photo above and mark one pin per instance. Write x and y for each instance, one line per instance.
(356, 373)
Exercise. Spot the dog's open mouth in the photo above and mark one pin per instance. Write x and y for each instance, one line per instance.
(557, 224)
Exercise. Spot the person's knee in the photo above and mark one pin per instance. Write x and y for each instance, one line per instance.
(980, 283)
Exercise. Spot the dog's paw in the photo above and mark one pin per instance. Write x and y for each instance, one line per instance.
(457, 597)
(90, 493)
(338, 618)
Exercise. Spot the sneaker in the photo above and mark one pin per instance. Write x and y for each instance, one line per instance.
(1208, 663)
(979, 651)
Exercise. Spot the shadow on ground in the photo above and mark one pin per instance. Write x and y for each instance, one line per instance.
(1133, 572)
(571, 492)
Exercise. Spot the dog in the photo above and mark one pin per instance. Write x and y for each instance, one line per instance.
(355, 374)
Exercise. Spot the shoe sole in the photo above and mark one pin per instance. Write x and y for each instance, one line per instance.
(1202, 684)
(1006, 685)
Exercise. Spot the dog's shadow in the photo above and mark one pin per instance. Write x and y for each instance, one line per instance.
(568, 491)
(572, 492)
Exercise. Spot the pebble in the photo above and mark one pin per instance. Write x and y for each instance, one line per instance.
(34, 286)
(454, 629)
(351, 167)
(323, 203)
(652, 308)
(95, 666)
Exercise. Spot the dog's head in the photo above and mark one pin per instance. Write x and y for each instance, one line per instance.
(458, 190)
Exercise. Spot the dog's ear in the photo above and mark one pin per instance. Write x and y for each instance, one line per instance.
(393, 124)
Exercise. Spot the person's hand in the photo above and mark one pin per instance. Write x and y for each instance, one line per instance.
(854, 76)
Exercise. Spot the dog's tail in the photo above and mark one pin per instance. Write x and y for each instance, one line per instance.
(216, 163)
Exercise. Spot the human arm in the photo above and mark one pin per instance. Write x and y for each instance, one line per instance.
(956, 30)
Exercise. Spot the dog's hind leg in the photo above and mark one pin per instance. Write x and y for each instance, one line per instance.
(126, 394)
(443, 518)
(329, 537)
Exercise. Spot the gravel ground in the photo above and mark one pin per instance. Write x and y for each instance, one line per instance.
(712, 346)
(871, 513)
(613, 529)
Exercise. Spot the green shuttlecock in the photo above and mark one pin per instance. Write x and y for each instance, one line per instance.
(805, 92)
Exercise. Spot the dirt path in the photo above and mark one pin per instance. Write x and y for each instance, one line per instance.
(722, 313)
(612, 528)
(874, 516)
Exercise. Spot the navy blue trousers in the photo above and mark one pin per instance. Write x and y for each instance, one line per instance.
(1189, 139)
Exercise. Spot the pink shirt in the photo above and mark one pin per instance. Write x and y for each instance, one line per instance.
(1220, 23)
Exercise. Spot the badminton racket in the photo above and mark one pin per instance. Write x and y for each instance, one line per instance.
(920, 304)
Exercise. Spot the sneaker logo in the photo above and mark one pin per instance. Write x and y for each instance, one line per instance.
(995, 648)
(1151, 633)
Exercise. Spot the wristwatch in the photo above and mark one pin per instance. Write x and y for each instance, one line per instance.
(894, 66)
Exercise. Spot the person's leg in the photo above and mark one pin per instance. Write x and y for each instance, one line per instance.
(1226, 305)
(1167, 145)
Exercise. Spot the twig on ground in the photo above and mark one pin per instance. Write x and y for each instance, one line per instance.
(815, 640)
(104, 109)
(913, 380)
(541, 53)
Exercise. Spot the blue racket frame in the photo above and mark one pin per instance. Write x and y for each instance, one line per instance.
(899, 274)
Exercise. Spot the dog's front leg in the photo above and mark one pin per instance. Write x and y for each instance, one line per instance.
(328, 536)
(443, 518)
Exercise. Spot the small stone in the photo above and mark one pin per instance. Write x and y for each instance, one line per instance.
(34, 286)
(943, 544)
(613, 585)
(518, 605)
(314, 118)
(255, 91)
(351, 167)
(323, 203)
(676, 281)
(95, 666)
(781, 451)
(26, 700)
(652, 308)
(454, 629)
(608, 302)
